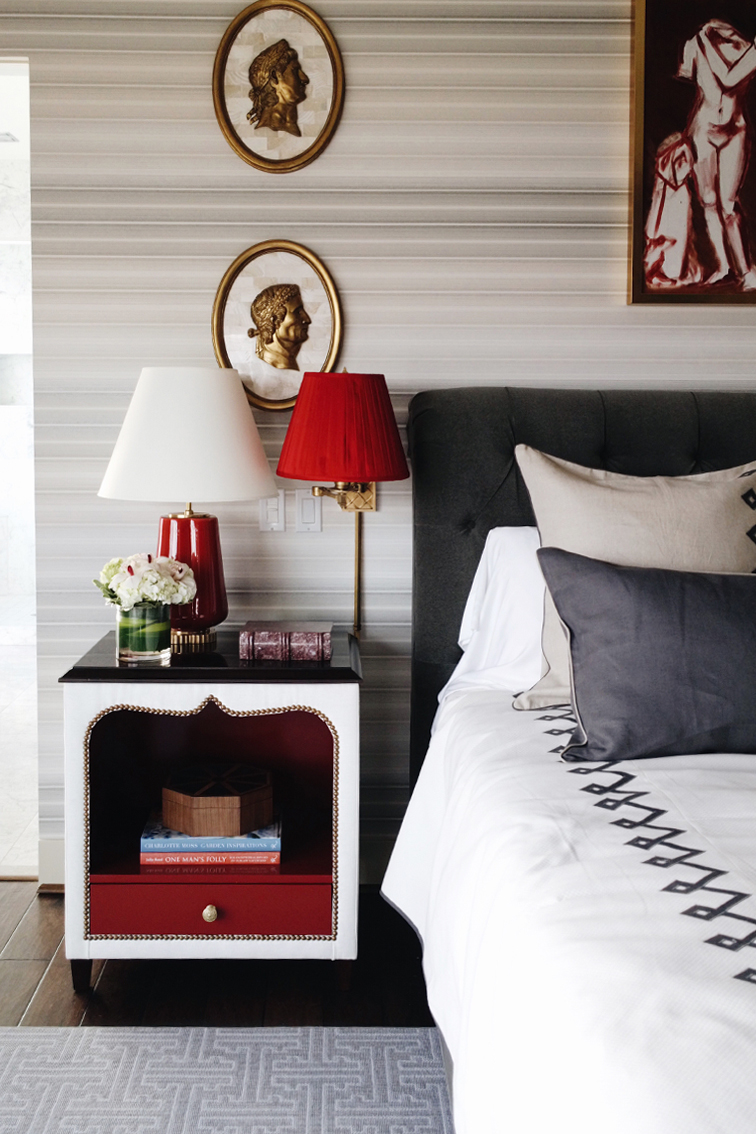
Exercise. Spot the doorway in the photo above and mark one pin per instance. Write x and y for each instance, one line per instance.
(18, 667)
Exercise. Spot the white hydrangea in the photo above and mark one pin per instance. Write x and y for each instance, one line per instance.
(146, 578)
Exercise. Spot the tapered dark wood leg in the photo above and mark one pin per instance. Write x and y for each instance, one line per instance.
(81, 975)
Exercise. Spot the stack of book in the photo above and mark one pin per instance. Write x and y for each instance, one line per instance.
(160, 847)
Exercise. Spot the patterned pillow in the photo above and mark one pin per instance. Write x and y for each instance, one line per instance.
(663, 662)
(705, 522)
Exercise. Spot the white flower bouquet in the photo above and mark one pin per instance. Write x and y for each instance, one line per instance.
(146, 578)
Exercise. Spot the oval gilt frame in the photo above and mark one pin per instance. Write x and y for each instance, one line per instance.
(328, 334)
(258, 11)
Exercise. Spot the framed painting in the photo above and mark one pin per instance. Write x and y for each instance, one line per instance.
(276, 314)
(694, 179)
(278, 85)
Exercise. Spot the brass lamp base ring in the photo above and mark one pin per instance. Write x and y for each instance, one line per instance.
(193, 641)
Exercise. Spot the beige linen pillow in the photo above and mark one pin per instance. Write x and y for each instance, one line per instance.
(705, 522)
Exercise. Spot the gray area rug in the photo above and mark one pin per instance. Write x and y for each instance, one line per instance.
(222, 1081)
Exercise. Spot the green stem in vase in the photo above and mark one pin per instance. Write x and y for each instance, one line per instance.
(144, 629)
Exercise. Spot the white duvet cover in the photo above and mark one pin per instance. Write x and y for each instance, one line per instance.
(589, 931)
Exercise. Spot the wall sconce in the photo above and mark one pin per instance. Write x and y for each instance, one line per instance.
(343, 429)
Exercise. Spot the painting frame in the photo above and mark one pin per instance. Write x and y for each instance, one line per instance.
(263, 266)
(693, 231)
(314, 47)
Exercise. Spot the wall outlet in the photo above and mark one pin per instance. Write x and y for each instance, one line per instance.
(309, 511)
(273, 512)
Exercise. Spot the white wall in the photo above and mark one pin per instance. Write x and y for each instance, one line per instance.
(472, 209)
(17, 583)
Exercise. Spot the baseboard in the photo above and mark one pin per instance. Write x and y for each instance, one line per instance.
(52, 859)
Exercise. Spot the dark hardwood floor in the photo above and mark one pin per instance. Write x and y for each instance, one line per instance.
(386, 988)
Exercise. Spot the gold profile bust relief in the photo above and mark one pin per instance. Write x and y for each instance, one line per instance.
(275, 57)
(278, 85)
(289, 296)
(281, 325)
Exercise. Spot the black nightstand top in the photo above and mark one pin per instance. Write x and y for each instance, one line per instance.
(222, 665)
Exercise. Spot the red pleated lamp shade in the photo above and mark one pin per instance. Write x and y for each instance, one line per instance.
(343, 429)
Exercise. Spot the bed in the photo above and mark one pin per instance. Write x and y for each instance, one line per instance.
(588, 925)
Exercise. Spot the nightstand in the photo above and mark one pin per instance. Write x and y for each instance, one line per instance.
(128, 728)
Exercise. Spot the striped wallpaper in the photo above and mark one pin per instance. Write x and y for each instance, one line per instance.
(472, 209)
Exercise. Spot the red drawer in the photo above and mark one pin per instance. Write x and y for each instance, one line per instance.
(158, 909)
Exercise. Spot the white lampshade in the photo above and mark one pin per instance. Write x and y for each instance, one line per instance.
(188, 435)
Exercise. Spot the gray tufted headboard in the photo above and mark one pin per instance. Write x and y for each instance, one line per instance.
(466, 481)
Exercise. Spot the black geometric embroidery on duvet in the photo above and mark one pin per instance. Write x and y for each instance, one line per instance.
(750, 498)
(644, 818)
(559, 713)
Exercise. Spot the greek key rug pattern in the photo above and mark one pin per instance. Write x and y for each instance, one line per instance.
(222, 1081)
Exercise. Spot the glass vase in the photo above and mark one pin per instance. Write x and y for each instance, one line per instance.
(143, 634)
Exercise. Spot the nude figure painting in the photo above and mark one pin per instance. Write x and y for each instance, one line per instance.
(694, 200)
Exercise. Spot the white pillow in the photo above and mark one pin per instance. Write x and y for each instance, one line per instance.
(503, 618)
(701, 522)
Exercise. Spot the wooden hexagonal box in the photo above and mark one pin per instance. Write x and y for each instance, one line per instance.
(222, 800)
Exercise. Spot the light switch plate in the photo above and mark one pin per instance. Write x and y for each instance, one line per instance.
(273, 512)
(309, 511)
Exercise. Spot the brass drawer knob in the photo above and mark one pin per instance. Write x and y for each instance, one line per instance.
(209, 913)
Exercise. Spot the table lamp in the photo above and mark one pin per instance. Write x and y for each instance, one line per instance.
(189, 435)
(343, 429)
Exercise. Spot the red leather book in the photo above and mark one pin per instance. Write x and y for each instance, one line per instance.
(212, 858)
(285, 641)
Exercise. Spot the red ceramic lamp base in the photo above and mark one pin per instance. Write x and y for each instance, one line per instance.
(194, 539)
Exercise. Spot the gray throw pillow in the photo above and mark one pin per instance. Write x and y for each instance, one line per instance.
(663, 663)
(705, 522)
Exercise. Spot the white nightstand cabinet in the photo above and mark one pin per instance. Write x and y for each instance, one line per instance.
(128, 728)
